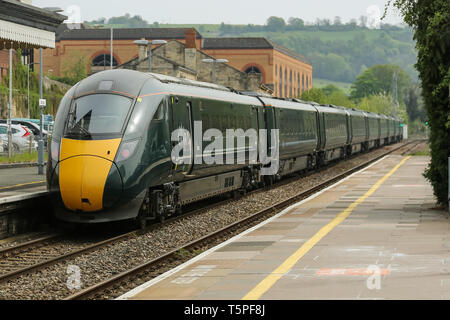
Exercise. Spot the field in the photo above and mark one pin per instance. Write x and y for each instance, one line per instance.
(320, 83)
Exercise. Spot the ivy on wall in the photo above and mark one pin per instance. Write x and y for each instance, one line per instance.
(19, 94)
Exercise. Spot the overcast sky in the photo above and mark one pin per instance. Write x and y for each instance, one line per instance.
(229, 11)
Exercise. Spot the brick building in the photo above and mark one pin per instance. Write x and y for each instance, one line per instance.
(283, 71)
(287, 73)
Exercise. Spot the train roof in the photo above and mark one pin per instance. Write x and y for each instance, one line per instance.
(126, 82)
(169, 79)
(179, 86)
(130, 83)
(328, 108)
(287, 104)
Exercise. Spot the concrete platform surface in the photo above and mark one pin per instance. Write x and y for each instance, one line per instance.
(374, 235)
(19, 182)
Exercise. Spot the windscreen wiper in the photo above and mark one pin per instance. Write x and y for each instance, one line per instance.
(82, 130)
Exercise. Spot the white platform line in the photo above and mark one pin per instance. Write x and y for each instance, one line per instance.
(167, 274)
(21, 197)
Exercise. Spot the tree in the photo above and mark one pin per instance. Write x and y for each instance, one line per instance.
(430, 21)
(275, 24)
(296, 23)
(363, 21)
(379, 103)
(381, 79)
(412, 105)
(337, 21)
(314, 94)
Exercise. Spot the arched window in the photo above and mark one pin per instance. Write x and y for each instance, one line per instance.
(252, 69)
(102, 62)
(298, 84)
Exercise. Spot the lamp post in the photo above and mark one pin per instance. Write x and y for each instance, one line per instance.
(149, 44)
(214, 62)
(98, 25)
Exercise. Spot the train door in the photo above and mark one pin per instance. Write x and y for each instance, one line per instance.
(270, 120)
(182, 119)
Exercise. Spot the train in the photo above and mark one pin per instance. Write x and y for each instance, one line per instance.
(111, 151)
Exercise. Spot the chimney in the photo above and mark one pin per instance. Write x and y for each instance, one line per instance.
(190, 36)
(190, 49)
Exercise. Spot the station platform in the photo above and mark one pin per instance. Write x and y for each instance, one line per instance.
(374, 235)
(20, 183)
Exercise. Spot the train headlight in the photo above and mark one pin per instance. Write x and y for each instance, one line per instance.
(126, 150)
(54, 147)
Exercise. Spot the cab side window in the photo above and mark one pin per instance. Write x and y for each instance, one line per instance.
(160, 111)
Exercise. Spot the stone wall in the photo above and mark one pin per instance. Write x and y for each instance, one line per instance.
(191, 58)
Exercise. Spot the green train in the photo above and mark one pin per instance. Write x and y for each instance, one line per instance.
(111, 158)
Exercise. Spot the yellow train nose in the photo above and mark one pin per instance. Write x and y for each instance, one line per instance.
(83, 171)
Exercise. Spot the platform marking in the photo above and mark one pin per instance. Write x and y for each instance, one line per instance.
(22, 184)
(193, 274)
(287, 265)
(350, 272)
(130, 294)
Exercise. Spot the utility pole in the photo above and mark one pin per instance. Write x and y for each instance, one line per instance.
(42, 104)
(10, 103)
(395, 93)
(111, 41)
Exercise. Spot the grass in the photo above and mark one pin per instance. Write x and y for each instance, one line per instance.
(421, 150)
(22, 157)
(320, 83)
(421, 153)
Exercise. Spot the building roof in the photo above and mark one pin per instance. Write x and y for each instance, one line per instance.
(64, 33)
(25, 26)
(28, 15)
(248, 43)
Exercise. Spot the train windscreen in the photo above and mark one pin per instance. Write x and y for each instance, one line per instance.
(97, 114)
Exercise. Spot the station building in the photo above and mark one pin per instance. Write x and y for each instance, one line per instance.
(283, 71)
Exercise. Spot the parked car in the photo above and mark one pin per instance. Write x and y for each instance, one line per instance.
(31, 126)
(2, 146)
(20, 137)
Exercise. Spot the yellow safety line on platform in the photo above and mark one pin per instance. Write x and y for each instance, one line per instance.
(287, 265)
(23, 184)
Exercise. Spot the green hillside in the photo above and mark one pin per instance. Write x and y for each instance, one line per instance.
(338, 52)
(320, 83)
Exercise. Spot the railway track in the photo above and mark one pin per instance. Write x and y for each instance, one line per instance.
(42, 253)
